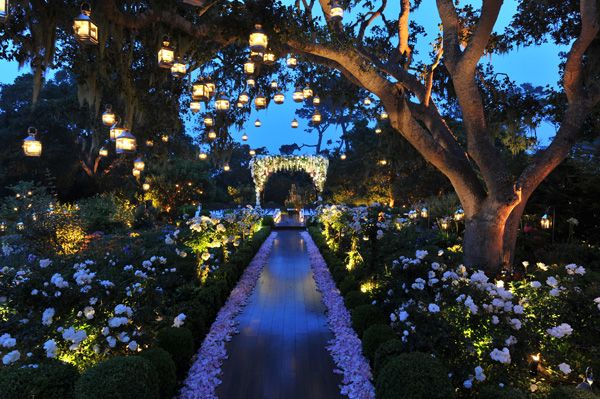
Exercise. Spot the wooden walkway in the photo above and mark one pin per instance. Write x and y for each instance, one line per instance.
(280, 351)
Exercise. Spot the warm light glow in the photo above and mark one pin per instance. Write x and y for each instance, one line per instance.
(343, 157)
(108, 117)
(210, 85)
(459, 215)
(244, 137)
(367, 101)
(145, 186)
(535, 358)
(222, 103)
(251, 82)
(212, 134)
(367, 287)
(226, 168)
(126, 142)
(274, 84)
(292, 61)
(252, 152)
(103, 152)
(258, 123)
(444, 224)
(279, 98)
(316, 100)
(84, 29)
(244, 98)
(203, 155)
(337, 12)
(316, 118)
(166, 54)
(139, 164)
(179, 69)
(269, 58)
(383, 115)
(307, 92)
(294, 123)
(115, 132)
(545, 222)
(382, 162)
(165, 138)
(298, 95)
(258, 40)
(209, 121)
(424, 213)
(260, 102)
(378, 130)
(249, 67)
(136, 172)
(31, 146)
(3, 11)
(412, 214)
(200, 90)
(149, 143)
(195, 106)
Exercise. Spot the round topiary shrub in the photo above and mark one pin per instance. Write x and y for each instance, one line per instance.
(387, 351)
(118, 378)
(374, 336)
(571, 393)
(365, 316)
(414, 375)
(348, 284)
(179, 342)
(165, 369)
(51, 380)
(497, 392)
(355, 298)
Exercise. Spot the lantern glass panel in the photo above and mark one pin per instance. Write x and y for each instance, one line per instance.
(258, 123)
(115, 132)
(337, 12)
(244, 98)
(166, 55)
(195, 106)
(298, 96)
(200, 91)
(209, 121)
(125, 143)
(292, 62)
(84, 29)
(179, 69)
(249, 68)
(108, 117)
(260, 102)
(269, 58)
(31, 146)
(212, 134)
(294, 124)
(222, 103)
(3, 9)
(279, 98)
(258, 39)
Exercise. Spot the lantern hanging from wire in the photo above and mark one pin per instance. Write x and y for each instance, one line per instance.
(292, 62)
(260, 102)
(459, 215)
(195, 106)
(210, 85)
(307, 92)
(545, 222)
(108, 117)
(244, 98)
(244, 137)
(383, 162)
(139, 164)
(378, 130)
(269, 58)
(444, 224)
(179, 69)
(316, 117)
(4, 7)
(222, 102)
(32, 147)
(226, 168)
(258, 40)
(367, 101)
(298, 96)
(103, 152)
(258, 123)
(274, 84)
(295, 123)
(252, 153)
(209, 121)
(200, 90)
(316, 100)
(212, 134)
(279, 98)
(165, 138)
(149, 143)
(84, 28)
(343, 156)
(337, 12)
(115, 131)
(383, 115)
(251, 82)
(166, 54)
(202, 155)
(249, 68)
(136, 173)
(239, 105)
(126, 142)
(424, 213)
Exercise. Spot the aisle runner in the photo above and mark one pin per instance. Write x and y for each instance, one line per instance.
(345, 347)
(203, 377)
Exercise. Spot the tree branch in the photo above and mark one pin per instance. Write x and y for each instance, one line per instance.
(366, 23)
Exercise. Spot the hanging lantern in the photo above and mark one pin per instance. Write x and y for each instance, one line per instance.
(258, 123)
(545, 222)
(274, 84)
(203, 155)
(239, 105)
(292, 61)
(316, 117)
(307, 92)
(343, 157)
(31, 146)
(337, 12)
(424, 213)
(412, 214)
(279, 98)
(298, 96)
(251, 82)
(166, 54)
(367, 101)
(382, 162)
(210, 85)
(244, 137)
(149, 143)
(252, 153)
(136, 173)
(378, 130)
(258, 40)
(212, 134)
(383, 115)
(294, 123)
(195, 106)
(260, 102)
(222, 102)
(459, 215)
(126, 142)
(103, 152)
(139, 164)
(84, 29)
(249, 68)
(269, 58)
(2, 227)
(115, 131)
(165, 138)
(145, 186)
(179, 69)
(4, 4)
(316, 100)
(200, 90)
(256, 56)
(108, 117)
(226, 168)
(209, 121)
(244, 98)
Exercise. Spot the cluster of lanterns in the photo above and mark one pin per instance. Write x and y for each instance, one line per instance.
(167, 60)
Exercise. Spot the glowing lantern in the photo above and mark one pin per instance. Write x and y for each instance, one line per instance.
(258, 40)
(222, 102)
(274, 84)
(316, 100)
(195, 106)
(252, 152)
(200, 90)
(31, 146)
(2, 226)
(84, 29)
(343, 157)
(298, 96)
(226, 168)
(125, 142)
(108, 117)
(383, 115)
(165, 138)
(444, 224)
(212, 134)
(316, 117)
(337, 12)
(136, 173)
(424, 213)
(210, 86)
(258, 123)
(292, 61)
(459, 215)
(269, 58)
(294, 123)
(378, 130)
(166, 54)
(279, 98)
(103, 152)
(244, 137)
(203, 155)
(251, 82)
(179, 69)
(3, 9)
(149, 143)
(145, 186)
(545, 222)
(249, 68)
(260, 102)
(307, 92)
(209, 121)
(244, 98)
(382, 162)
(239, 105)
(139, 164)
(367, 101)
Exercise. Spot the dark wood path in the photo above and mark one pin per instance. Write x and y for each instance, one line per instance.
(280, 351)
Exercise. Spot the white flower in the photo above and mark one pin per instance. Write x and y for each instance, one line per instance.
(169, 240)
(419, 284)
(403, 315)
(510, 341)
(479, 277)
(433, 308)
(89, 312)
(75, 336)
(47, 316)
(574, 269)
(502, 356)
(179, 320)
(536, 284)
(495, 320)
(560, 331)
(11, 357)
(393, 317)
(518, 309)
(597, 302)
(112, 341)
(44, 263)
(50, 348)
(554, 292)
(58, 280)
(565, 368)
(6, 341)
(479, 374)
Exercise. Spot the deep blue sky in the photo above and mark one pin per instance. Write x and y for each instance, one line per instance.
(536, 65)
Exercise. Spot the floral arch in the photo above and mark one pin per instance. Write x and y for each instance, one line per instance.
(263, 167)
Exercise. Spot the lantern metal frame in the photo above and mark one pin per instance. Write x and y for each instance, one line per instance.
(279, 98)
(316, 118)
(166, 54)
(295, 123)
(222, 103)
(32, 147)
(108, 116)
(258, 40)
(260, 102)
(257, 123)
(89, 35)
(200, 90)
(316, 100)
(269, 58)
(126, 143)
(298, 95)
(178, 69)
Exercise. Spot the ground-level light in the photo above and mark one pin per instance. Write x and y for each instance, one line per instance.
(139, 164)
(260, 102)
(337, 12)
(32, 147)
(269, 58)
(459, 215)
(165, 138)
(203, 155)
(103, 152)
(424, 213)
(378, 130)
(108, 117)
(251, 82)
(145, 186)
(444, 224)
(84, 29)
(149, 143)
(136, 172)
(343, 157)
(226, 168)
(545, 222)
(383, 162)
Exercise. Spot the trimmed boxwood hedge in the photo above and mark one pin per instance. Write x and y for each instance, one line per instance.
(364, 316)
(50, 380)
(179, 343)
(374, 336)
(165, 369)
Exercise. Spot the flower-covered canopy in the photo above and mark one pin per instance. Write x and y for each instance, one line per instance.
(263, 167)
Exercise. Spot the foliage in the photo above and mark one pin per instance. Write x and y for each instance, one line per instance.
(414, 375)
(364, 316)
(119, 377)
(570, 393)
(165, 369)
(179, 343)
(48, 380)
(386, 352)
(374, 337)
(106, 212)
(500, 392)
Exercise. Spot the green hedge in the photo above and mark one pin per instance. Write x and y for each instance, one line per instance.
(571, 393)
(364, 316)
(179, 342)
(496, 392)
(165, 368)
(51, 380)
(374, 336)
